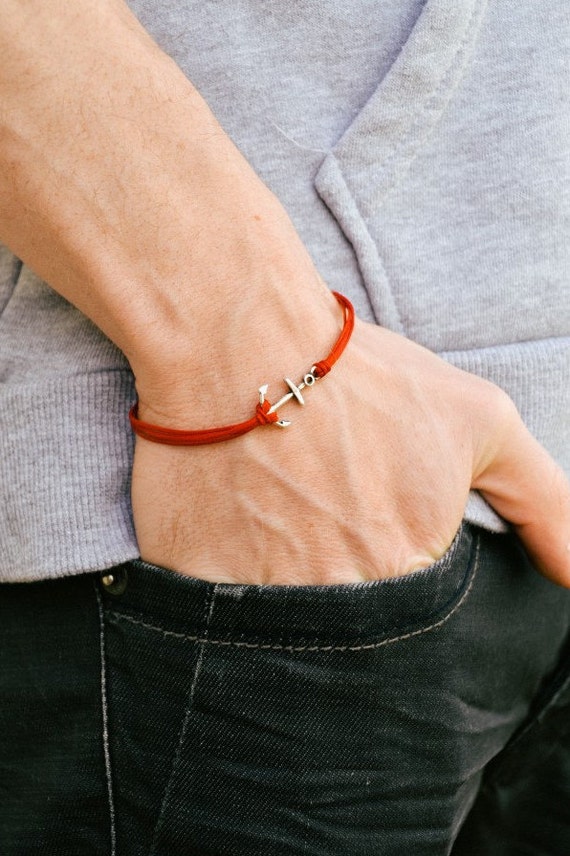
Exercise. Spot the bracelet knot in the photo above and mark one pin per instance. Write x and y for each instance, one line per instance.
(321, 368)
(263, 416)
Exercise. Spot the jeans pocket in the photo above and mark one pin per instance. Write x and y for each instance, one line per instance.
(299, 717)
(349, 615)
(234, 708)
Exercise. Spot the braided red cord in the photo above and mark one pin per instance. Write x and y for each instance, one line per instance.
(176, 437)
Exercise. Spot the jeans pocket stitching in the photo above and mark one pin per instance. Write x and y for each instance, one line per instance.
(208, 609)
(105, 725)
(205, 640)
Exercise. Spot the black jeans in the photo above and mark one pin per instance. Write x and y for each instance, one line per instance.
(165, 715)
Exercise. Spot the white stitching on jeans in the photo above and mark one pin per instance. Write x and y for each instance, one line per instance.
(208, 609)
(106, 751)
(203, 640)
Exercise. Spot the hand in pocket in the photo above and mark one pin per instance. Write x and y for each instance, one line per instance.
(370, 480)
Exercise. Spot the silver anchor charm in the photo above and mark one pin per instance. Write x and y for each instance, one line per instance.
(308, 380)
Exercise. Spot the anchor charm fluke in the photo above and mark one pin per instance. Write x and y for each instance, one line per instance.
(294, 392)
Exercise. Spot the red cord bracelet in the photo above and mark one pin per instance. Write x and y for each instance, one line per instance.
(265, 412)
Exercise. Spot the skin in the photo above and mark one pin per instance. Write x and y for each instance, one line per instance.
(120, 189)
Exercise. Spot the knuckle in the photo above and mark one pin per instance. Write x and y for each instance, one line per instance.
(495, 405)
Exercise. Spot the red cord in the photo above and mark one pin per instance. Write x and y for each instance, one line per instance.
(176, 437)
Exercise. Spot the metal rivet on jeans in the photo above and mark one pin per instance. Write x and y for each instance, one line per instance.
(115, 581)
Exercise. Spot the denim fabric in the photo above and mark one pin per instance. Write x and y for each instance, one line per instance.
(428, 714)
(52, 775)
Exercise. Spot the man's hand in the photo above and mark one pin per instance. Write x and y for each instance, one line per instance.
(369, 481)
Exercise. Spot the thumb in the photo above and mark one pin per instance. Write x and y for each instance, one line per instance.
(526, 487)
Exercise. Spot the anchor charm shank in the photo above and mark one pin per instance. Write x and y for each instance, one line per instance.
(295, 392)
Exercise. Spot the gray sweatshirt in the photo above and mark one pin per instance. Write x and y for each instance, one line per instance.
(422, 149)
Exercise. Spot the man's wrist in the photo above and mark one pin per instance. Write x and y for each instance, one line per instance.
(211, 375)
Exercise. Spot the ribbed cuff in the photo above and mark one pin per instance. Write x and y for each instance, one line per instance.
(65, 464)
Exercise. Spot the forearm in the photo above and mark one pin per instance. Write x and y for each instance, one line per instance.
(120, 189)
